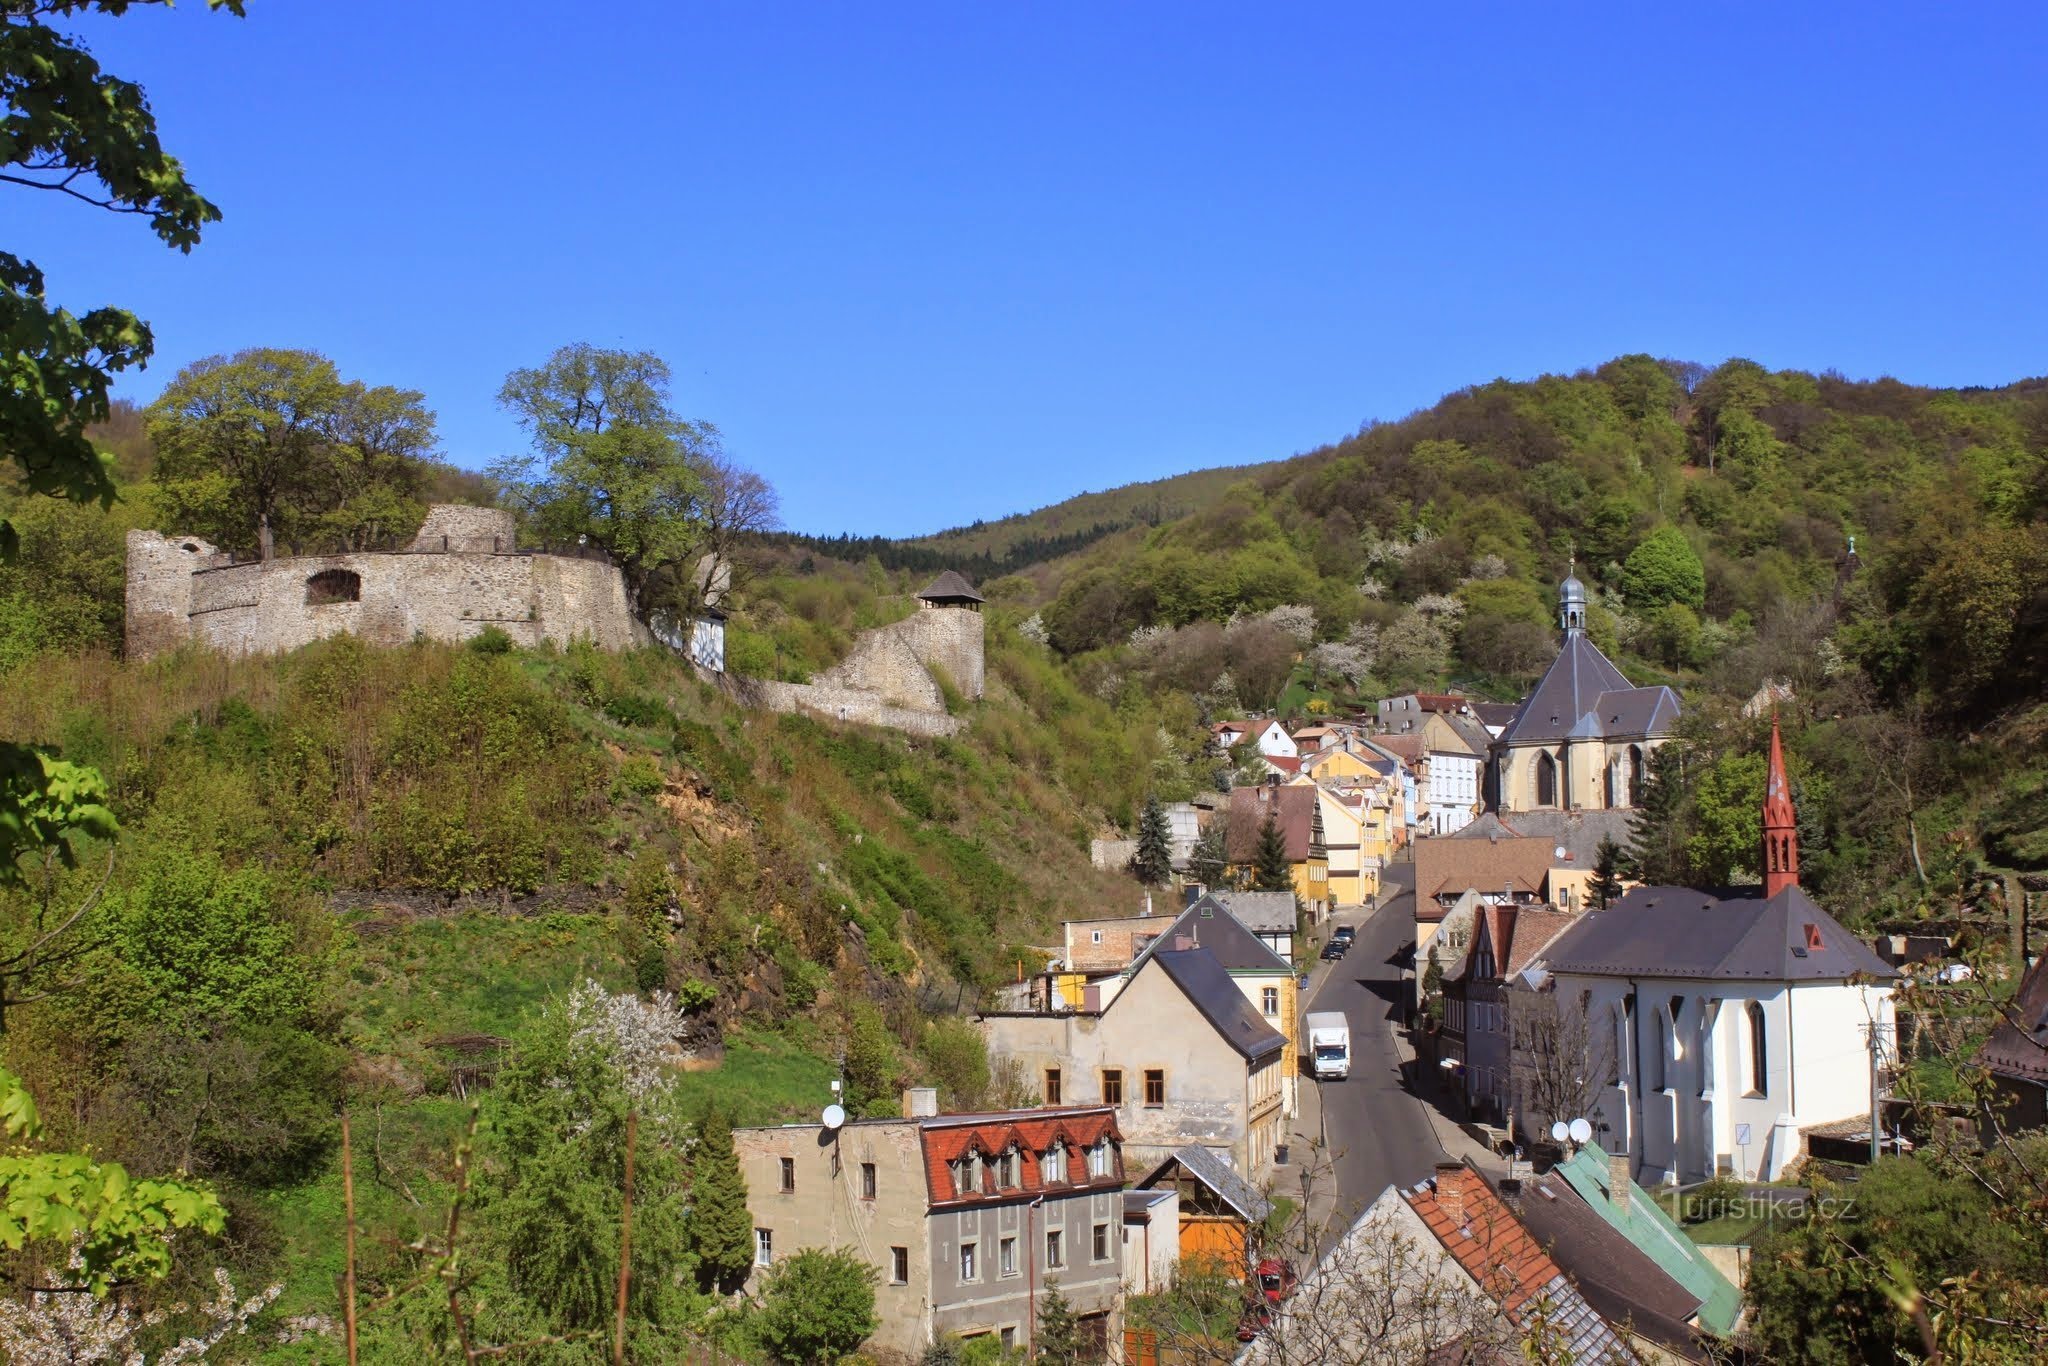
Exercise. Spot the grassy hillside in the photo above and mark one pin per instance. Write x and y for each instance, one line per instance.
(433, 845)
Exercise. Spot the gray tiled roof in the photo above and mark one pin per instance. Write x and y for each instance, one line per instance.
(1219, 1176)
(1259, 912)
(1620, 1282)
(1197, 973)
(1580, 683)
(1741, 935)
(950, 584)
(1580, 832)
(2018, 1048)
(1210, 925)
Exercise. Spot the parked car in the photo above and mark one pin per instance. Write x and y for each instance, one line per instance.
(1347, 933)
(1334, 950)
(1276, 1279)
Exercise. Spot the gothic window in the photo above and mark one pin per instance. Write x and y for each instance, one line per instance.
(334, 585)
(1635, 775)
(1546, 780)
(1759, 1051)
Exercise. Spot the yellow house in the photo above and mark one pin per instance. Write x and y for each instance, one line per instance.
(1344, 815)
(1297, 812)
(1370, 787)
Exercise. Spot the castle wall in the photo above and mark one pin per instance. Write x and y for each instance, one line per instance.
(842, 704)
(456, 526)
(882, 662)
(176, 595)
(949, 638)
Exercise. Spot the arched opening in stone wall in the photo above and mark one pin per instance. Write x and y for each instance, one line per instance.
(334, 585)
(1546, 780)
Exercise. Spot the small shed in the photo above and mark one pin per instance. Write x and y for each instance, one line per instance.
(1218, 1207)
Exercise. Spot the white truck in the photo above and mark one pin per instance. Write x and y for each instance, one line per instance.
(1329, 1044)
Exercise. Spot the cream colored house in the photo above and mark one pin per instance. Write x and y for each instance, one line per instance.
(1178, 1053)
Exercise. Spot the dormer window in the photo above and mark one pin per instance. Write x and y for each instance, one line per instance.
(1053, 1166)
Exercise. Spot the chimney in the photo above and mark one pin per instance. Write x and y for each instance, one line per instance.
(1450, 1191)
(920, 1102)
(1511, 1194)
(1148, 905)
(1618, 1184)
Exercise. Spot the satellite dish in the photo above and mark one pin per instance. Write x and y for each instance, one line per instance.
(834, 1116)
(1581, 1131)
(1560, 1131)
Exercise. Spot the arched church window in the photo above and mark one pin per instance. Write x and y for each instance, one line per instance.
(1546, 780)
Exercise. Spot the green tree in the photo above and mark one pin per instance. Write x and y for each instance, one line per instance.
(1433, 988)
(721, 1229)
(74, 130)
(1153, 863)
(1606, 883)
(612, 462)
(117, 1225)
(1657, 834)
(1271, 870)
(1664, 568)
(551, 1197)
(272, 443)
(1058, 1339)
(816, 1307)
(1210, 861)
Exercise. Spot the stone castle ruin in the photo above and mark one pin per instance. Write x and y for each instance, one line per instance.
(463, 573)
(460, 575)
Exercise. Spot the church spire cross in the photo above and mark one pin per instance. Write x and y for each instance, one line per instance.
(1781, 822)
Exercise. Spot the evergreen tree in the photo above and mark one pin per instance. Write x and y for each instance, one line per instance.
(1606, 884)
(721, 1229)
(1657, 838)
(1271, 871)
(1210, 862)
(1153, 863)
(1433, 989)
(1058, 1340)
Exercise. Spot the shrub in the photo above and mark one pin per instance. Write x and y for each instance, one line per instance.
(491, 641)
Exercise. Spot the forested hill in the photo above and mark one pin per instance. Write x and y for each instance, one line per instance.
(1712, 512)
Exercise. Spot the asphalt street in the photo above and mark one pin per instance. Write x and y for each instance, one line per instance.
(1378, 1133)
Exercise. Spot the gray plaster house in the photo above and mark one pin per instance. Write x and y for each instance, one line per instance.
(1178, 1053)
(966, 1218)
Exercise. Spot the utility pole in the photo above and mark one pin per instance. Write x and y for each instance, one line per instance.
(1876, 1032)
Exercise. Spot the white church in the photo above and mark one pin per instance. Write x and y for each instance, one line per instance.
(1722, 1026)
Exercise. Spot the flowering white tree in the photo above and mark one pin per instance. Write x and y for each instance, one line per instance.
(635, 1036)
(66, 1326)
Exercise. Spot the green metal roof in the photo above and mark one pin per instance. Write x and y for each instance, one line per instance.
(1645, 1224)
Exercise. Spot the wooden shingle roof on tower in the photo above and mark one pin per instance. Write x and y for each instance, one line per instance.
(950, 586)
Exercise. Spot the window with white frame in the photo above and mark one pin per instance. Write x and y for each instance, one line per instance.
(764, 1246)
(968, 1270)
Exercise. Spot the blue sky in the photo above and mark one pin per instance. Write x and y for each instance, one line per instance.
(923, 264)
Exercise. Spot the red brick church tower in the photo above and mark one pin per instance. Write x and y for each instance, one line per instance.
(1781, 823)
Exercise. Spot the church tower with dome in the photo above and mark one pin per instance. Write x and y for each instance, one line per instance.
(1582, 738)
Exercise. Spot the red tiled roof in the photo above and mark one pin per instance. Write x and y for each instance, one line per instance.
(1286, 763)
(1294, 811)
(1533, 927)
(948, 1138)
(1446, 866)
(1439, 701)
(1485, 1237)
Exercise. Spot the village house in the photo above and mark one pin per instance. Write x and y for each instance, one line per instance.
(1178, 1053)
(1404, 715)
(1573, 838)
(1344, 816)
(1444, 1265)
(1504, 940)
(1722, 1026)
(1265, 979)
(1503, 871)
(965, 1218)
(1218, 1209)
(1410, 757)
(1655, 1288)
(1296, 811)
(1604, 1189)
(1268, 915)
(1271, 739)
(1582, 738)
